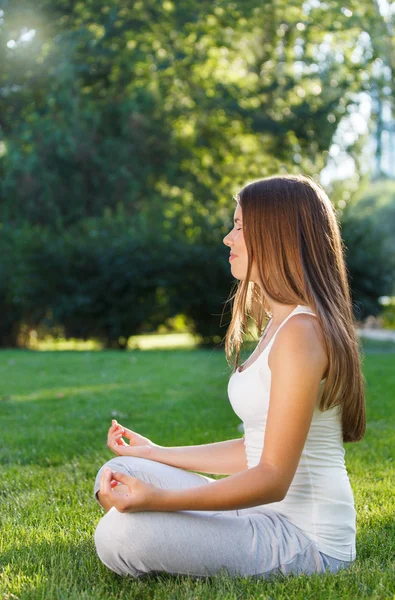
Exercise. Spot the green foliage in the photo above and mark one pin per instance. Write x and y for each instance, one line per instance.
(368, 229)
(11, 313)
(165, 103)
(377, 202)
(388, 315)
(112, 277)
(198, 282)
(99, 279)
(157, 112)
(371, 269)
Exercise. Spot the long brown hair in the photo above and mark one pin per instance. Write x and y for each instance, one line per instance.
(292, 234)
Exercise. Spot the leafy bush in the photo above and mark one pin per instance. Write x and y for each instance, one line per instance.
(99, 279)
(108, 279)
(11, 313)
(371, 267)
(198, 284)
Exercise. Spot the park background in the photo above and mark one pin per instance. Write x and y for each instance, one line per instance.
(126, 128)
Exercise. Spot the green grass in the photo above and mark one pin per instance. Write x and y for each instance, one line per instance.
(55, 409)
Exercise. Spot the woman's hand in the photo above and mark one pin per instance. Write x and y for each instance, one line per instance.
(139, 445)
(136, 495)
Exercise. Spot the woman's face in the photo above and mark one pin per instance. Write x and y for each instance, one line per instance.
(238, 250)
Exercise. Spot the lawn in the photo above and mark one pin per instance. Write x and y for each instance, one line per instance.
(55, 409)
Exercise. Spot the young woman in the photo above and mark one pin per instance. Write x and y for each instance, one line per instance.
(287, 505)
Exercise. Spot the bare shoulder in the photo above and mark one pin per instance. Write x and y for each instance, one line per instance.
(300, 339)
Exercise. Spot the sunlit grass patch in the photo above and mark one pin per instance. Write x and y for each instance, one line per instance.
(55, 409)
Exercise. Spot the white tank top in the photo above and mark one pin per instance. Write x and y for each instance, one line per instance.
(320, 499)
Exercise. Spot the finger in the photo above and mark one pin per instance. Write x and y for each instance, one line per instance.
(121, 442)
(115, 446)
(118, 431)
(123, 478)
(117, 437)
(105, 480)
(117, 440)
(128, 431)
(115, 426)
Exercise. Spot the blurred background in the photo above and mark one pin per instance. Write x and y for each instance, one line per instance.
(127, 126)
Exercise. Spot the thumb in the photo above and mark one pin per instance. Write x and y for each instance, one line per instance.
(122, 477)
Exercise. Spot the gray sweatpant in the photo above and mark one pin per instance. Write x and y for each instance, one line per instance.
(201, 543)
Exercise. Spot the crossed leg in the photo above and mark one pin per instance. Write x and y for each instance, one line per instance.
(198, 543)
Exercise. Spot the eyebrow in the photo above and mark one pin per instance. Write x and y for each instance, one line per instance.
(237, 220)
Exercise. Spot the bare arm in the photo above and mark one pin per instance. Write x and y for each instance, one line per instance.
(219, 458)
(297, 367)
(296, 375)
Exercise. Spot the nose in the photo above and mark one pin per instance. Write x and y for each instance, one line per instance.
(226, 241)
